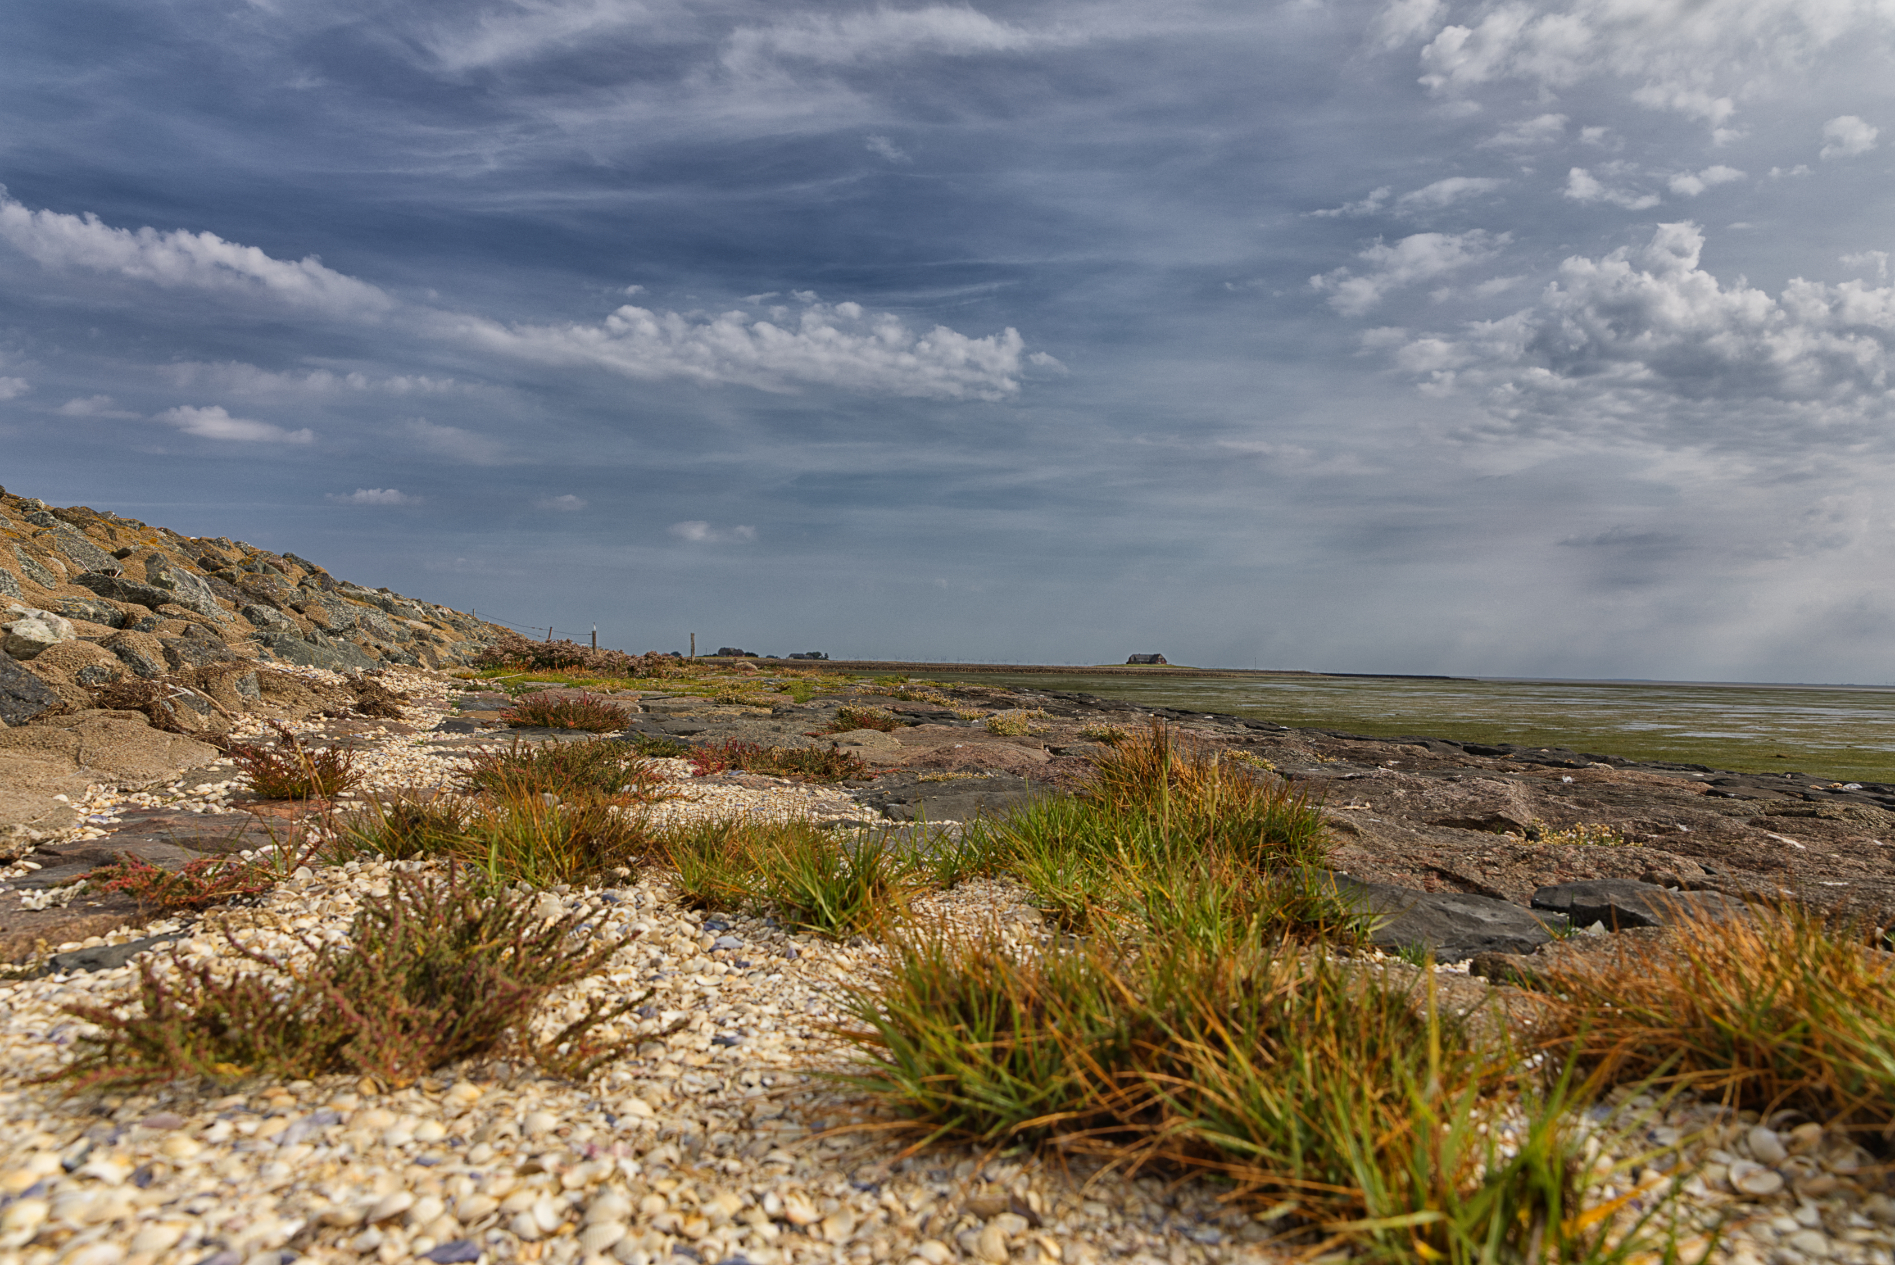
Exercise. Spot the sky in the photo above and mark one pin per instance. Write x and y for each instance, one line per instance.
(1481, 337)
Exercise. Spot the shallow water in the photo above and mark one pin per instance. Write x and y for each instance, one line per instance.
(1844, 732)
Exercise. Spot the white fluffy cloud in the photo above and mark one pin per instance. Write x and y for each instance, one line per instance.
(373, 496)
(1446, 192)
(92, 406)
(567, 503)
(697, 531)
(232, 377)
(1691, 184)
(1846, 136)
(1531, 133)
(1583, 186)
(216, 423)
(885, 148)
(825, 344)
(1376, 200)
(1648, 343)
(1695, 57)
(1419, 257)
(13, 388)
(881, 34)
(821, 344)
(182, 260)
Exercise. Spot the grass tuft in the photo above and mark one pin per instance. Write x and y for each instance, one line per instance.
(588, 712)
(813, 879)
(197, 886)
(1770, 1011)
(600, 769)
(290, 770)
(436, 971)
(848, 718)
(510, 841)
(1341, 1101)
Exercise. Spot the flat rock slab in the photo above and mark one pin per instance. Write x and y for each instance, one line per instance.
(1455, 925)
(1621, 903)
(905, 797)
(105, 957)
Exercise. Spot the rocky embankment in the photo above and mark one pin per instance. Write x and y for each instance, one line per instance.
(120, 641)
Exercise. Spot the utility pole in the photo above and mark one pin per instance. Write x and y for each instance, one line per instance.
(595, 636)
(694, 645)
(549, 634)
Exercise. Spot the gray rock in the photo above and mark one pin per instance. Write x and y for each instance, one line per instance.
(186, 588)
(141, 652)
(93, 612)
(42, 518)
(105, 957)
(270, 619)
(194, 652)
(25, 633)
(904, 797)
(334, 613)
(121, 589)
(1455, 925)
(84, 554)
(317, 650)
(1621, 903)
(10, 586)
(35, 570)
(22, 695)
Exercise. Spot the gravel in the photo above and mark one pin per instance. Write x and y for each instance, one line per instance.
(719, 1141)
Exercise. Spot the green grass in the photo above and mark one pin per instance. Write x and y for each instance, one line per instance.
(600, 769)
(1775, 1010)
(1350, 1107)
(509, 840)
(814, 880)
(436, 971)
(804, 764)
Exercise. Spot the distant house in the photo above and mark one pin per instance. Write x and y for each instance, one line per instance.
(1146, 658)
(810, 654)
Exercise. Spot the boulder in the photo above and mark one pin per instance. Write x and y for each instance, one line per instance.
(1621, 903)
(10, 586)
(22, 694)
(317, 650)
(194, 651)
(78, 663)
(121, 589)
(65, 755)
(1455, 925)
(139, 651)
(85, 555)
(870, 744)
(269, 619)
(186, 588)
(35, 570)
(92, 611)
(29, 631)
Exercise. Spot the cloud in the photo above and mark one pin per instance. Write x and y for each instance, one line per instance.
(92, 406)
(1877, 259)
(1583, 186)
(456, 443)
(567, 503)
(1648, 344)
(881, 35)
(698, 531)
(840, 345)
(215, 423)
(1404, 21)
(372, 496)
(1846, 136)
(1688, 185)
(13, 388)
(1366, 206)
(1446, 192)
(1419, 257)
(1694, 57)
(182, 260)
(887, 149)
(1530, 133)
(236, 378)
